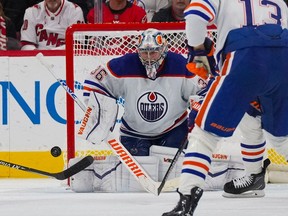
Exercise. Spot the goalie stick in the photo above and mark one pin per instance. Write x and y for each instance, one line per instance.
(124, 156)
(82, 164)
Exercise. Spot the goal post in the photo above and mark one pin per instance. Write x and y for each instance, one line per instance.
(88, 45)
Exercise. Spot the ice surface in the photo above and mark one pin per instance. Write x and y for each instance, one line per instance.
(49, 197)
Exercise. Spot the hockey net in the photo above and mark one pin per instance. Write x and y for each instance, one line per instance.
(88, 45)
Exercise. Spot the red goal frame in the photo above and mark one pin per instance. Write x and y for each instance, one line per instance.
(70, 64)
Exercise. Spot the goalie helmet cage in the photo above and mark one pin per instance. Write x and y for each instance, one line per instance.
(101, 42)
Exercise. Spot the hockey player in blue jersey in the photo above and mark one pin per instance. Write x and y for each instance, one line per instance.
(251, 49)
(156, 87)
(251, 137)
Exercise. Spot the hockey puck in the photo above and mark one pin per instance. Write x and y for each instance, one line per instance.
(55, 151)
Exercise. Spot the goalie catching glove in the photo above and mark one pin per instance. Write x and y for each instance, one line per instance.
(99, 118)
(202, 62)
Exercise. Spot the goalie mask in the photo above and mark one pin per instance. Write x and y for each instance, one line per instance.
(152, 50)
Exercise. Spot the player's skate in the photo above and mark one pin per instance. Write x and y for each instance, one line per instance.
(247, 186)
(187, 203)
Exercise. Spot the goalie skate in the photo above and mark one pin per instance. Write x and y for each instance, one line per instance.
(247, 186)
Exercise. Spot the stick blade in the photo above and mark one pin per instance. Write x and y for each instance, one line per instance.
(82, 164)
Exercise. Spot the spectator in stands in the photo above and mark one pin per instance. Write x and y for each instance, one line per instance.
(45, 24)
(8, 38)
(152, 6)
(14, 9)
(174, 13)
(116, 11)
(90, 4)
(83, 4)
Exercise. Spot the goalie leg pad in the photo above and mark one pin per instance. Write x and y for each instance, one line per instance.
(166, 155)
(82, 182)
(216, 177)
(99, 176)
(99, 118)
(105, 174)
(220, 172)
(127, 183)
(110, 175)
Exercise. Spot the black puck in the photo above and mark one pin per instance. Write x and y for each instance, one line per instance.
(55, 151)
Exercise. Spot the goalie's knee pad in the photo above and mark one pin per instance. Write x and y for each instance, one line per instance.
(127, 183)
(99, 176)
(110, 175)
(222, 172)
(82, 182)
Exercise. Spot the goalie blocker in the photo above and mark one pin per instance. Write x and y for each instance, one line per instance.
(107, 174)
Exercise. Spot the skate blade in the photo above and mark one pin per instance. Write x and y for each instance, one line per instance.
(248, 194)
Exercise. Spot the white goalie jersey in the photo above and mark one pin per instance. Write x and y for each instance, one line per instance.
(152, 107)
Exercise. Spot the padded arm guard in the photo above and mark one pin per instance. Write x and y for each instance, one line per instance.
(202, 62)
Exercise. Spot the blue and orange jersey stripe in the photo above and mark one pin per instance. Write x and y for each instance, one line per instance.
(205, 11)
(212, 91)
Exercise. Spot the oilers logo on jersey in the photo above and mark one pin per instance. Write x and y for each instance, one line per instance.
(152, 106)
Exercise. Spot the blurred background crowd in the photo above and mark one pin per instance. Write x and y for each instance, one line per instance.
(41, 24)
(22, 19)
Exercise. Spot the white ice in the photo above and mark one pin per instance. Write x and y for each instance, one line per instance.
(49, 197)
